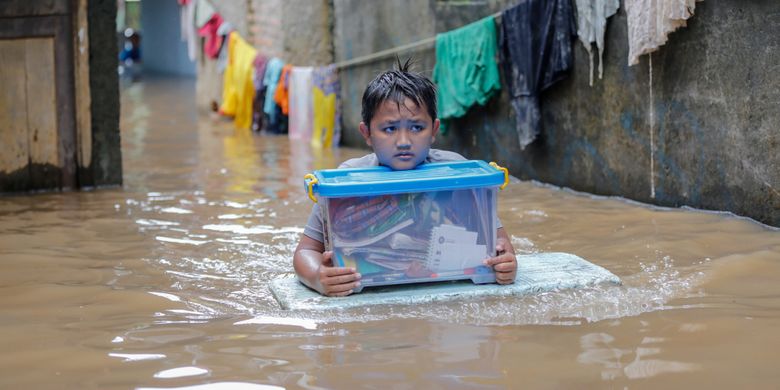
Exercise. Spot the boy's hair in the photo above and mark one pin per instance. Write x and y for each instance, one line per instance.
(397, 85)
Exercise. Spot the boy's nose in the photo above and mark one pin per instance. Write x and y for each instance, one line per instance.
(403, 141)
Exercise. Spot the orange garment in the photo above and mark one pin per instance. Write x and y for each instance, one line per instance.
(282, 95)
(238, 90)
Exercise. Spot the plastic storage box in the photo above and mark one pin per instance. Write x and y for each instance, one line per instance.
(434, 223)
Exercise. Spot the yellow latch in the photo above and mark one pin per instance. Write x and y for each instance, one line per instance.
(506, 174)
(312, 182)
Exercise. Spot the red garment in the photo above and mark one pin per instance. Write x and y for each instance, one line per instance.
(213, 40)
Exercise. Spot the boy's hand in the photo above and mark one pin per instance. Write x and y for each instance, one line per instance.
(336, 281)
(504, 263)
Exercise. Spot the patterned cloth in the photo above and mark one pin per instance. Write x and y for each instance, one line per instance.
(326, 127)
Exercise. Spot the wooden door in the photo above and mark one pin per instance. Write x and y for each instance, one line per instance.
(37, 116)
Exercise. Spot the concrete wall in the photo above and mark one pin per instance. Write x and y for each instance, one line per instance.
(714, 104)
(362, 28)
(105, 164)
(162, 50)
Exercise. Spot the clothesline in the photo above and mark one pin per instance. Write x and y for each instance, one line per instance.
(391, 51)
(524, 29)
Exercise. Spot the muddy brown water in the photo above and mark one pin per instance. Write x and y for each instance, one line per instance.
(163, 283)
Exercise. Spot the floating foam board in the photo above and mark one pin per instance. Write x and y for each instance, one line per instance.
(536, 273)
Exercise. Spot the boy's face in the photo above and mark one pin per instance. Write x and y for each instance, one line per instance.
(401, 135)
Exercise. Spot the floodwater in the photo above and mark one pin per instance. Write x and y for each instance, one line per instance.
(163, 283)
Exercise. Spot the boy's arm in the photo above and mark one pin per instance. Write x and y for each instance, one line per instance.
(314, 267)
(505, 262)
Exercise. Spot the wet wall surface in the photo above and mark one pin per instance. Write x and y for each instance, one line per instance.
(712, 110)
(106, 163)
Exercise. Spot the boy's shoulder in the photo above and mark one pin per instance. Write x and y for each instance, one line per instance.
(438, 155)
(370, 160)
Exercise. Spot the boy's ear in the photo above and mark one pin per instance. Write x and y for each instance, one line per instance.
(365, 132)
(435, 132)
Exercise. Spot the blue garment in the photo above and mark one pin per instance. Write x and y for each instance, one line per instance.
(130, 53)
(273, 69)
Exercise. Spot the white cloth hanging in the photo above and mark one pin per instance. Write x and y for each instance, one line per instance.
(592, 18)
(189, 34)
(651, 21)
(301, 117)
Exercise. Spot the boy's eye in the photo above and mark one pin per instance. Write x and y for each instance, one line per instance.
(417, 128)
(388, 129)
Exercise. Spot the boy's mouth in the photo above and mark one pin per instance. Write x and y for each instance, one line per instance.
(404, 155)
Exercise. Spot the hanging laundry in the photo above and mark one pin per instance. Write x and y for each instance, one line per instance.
(651, 21)
(272, 72)
(592, 18)
(281, 97)
(301, 110)
(204, 11)
(536, 39)
(224, 30)
(258, 75)
(213, 40)
(466, 72)
(326, 128)
(237, 87)
(188, 31)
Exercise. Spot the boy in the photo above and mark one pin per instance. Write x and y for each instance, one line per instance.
(399, 124)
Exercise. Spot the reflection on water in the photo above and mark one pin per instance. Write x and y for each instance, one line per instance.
(163, 283)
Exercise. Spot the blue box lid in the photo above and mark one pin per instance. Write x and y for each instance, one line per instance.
(380, 180)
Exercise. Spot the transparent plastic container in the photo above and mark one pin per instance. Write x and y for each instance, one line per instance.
(434, 223)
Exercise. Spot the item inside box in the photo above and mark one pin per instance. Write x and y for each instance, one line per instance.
(413, 236)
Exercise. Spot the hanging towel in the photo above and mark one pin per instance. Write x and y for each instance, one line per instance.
(213, 40)
(326, 129)
(204, 11)
(188, 31)
(466, 71)
(301, 115)
(592, 24)
(237, 87)
(258, 102)
(651, 21)
(272, 71)
(282, 96)
(536, 39)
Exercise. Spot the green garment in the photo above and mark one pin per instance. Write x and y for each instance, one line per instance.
(466, 70)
